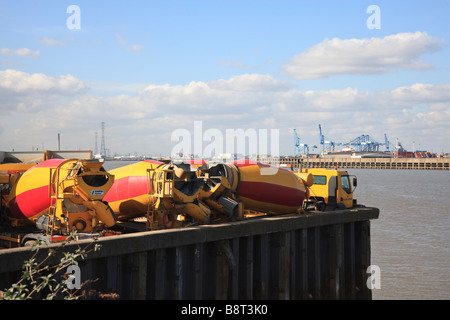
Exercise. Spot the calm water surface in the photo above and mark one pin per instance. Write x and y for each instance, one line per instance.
(410, 240)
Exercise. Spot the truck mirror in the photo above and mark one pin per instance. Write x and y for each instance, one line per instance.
(355, 182)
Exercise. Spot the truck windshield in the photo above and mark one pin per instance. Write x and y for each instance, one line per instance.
(320, 180)
(345, 183)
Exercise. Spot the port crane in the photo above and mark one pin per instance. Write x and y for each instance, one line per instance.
(365, 143)
(388, 144)
(298, 145)
(330, 144)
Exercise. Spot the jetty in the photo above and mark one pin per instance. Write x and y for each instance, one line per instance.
(318, 255)
(362, 163)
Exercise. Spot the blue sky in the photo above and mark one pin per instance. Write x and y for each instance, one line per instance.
(147, 68)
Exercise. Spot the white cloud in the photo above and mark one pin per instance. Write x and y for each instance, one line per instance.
(362, 56)
(21, 52)
(420, 92)
(136, 48)
(250, 82)
(25, 92)
(19, 81)
(52, 42)
(238, 94)
(36, 107)
(121, 40)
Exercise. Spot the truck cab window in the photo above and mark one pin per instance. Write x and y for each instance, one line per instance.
(345, 183)
(320, 180)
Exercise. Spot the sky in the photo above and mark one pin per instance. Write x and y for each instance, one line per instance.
(151, 70)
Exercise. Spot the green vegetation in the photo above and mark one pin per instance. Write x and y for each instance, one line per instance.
(40, 280)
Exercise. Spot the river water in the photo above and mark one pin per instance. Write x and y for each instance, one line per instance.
(410, 240)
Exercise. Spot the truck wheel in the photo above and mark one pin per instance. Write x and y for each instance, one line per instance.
(321, 206)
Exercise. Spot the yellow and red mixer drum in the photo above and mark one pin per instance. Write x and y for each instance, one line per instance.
(258, 186)
(128, 197)
(77, 184)
(269, 189)
(30, 197)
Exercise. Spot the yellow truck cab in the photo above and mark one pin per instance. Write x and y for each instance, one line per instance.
(331, 190)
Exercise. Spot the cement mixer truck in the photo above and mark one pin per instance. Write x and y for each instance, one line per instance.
(55, 196)
(331, 189)
(180, 194)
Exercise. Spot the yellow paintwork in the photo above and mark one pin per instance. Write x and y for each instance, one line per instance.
(68, 182)
(68, 196)
(322, 190)
(9, 169)
(129, 196)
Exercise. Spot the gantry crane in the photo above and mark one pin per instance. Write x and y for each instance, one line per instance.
(365, 143)
(331, 144)
(298, 145)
